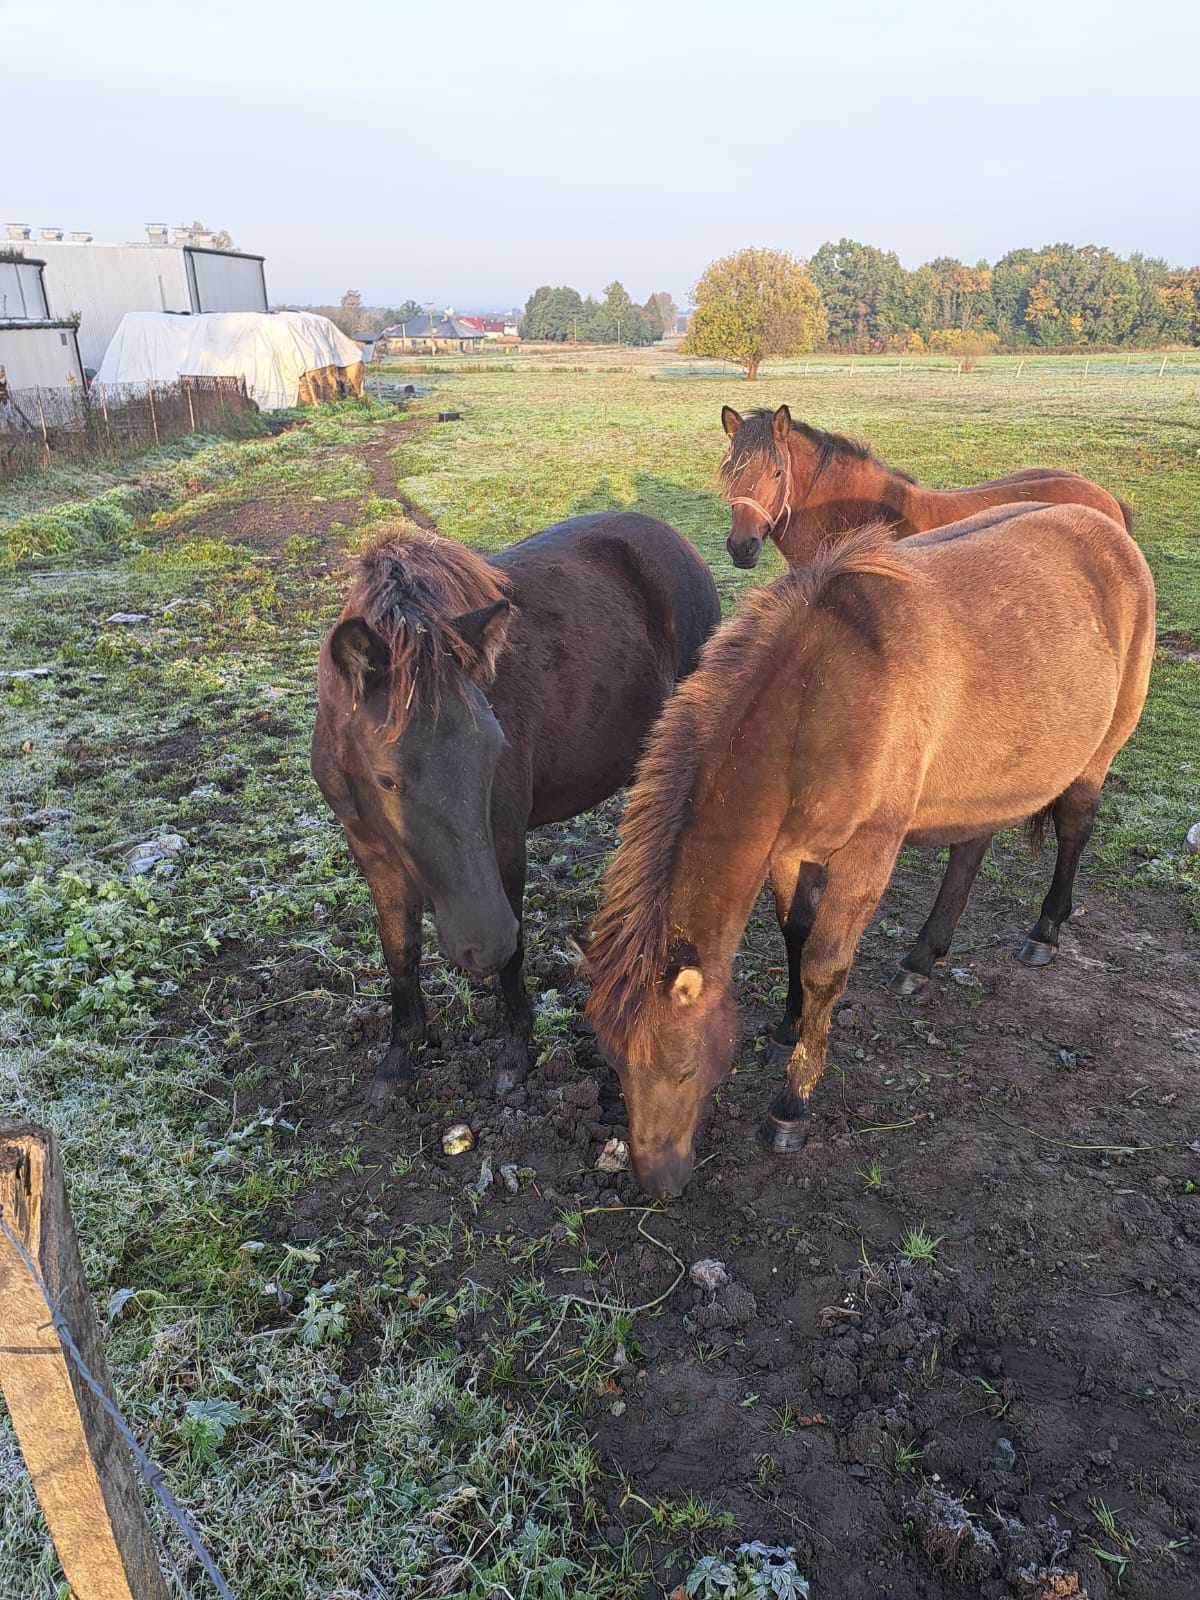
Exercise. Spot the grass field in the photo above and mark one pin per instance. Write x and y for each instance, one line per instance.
(360, 1375)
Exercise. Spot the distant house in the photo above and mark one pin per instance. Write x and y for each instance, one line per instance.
(37, 350)
(431, 332)
(178, 270)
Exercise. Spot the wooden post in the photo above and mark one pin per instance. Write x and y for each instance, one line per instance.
(42, 420)
(1161, 369)
(81, 1469)
(153, 418)
(191, 409)
(1020, 366)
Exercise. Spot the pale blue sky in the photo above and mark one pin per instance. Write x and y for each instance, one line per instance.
(466, 153)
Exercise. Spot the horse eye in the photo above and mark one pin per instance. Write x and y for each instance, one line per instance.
(389, 784)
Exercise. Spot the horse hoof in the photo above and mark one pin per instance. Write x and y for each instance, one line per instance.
(1033, 953)
(778, 1051)
(784, 1135)
(508, 1079)
(905, 982)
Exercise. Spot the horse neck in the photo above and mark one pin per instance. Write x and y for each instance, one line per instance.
(849, 493)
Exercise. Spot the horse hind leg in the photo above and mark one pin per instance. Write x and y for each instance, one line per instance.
(934, 939)
(1073, 813)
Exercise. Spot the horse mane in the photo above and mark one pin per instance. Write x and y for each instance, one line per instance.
(634, 943)
(755, 441)
(409, 590)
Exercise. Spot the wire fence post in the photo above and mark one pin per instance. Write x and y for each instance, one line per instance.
(153, 418)
(191, 411)
(81, 1471)
(1163, 368)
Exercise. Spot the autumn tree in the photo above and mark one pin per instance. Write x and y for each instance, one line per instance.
(755, 304)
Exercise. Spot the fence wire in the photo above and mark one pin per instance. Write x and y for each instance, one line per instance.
(42, 428)
(153, 1476)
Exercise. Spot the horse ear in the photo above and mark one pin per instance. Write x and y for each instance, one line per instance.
(358, 653)
(781, 423)
(687, 987)
(485, 631)
(730, 420)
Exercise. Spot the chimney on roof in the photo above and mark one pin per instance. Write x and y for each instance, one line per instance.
(81, 237)
(18, 230)
(52, 233)
(157, 233)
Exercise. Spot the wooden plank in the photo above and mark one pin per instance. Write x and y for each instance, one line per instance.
(81, 1468)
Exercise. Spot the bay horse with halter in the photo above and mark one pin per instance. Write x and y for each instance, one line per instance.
(463, 700)
(857, 704)
(802, 487)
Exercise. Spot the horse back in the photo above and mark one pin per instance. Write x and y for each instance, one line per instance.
(611, 611)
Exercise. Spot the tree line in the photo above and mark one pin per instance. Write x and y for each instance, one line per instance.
(561, 315)
(1061, 295)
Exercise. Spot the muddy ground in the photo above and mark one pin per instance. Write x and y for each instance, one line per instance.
(960, 1428)
(1041, 1124)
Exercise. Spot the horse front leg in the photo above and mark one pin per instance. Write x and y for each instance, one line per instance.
(398, 904)
(856, 877)
(516, 1008)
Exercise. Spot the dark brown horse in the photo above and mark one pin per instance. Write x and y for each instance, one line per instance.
(854, 705)
(464, 700)
(802, 487)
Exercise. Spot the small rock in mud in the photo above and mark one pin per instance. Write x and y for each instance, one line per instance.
(1004, 1455)
(614, 1158)
(510, 1177)
(146, 856)
(1193, 838)
(458, 1139)
(709, 1274)
(127, 619)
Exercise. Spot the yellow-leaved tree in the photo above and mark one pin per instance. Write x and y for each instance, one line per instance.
(754, 304)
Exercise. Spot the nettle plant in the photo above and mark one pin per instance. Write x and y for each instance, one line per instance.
(755, 1571)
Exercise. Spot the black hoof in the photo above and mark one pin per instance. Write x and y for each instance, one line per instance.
(905, 982)
(778, 1051)
(784, 1135)
(1033, 953)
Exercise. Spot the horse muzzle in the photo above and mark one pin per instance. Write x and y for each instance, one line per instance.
(744, 552)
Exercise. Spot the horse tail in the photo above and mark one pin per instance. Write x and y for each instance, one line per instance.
(1036, 828)
(1127, 513)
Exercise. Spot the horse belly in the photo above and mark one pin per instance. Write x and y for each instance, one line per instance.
(1014, 756)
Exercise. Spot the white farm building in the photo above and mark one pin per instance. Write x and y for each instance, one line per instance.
(37, 350)
(180, 270)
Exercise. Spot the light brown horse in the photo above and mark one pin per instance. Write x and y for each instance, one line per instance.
(857, 704)
(801, 487)
(463, 700)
